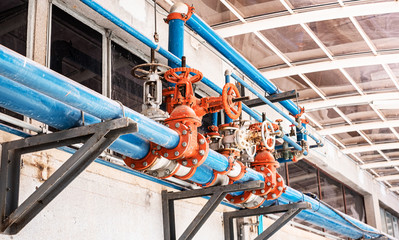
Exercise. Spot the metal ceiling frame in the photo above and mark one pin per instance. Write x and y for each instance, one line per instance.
(359, 127)
(307, 17)
(373, 147)
(337, 64)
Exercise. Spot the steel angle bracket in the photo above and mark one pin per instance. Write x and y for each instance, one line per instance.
(217, 194)
(96, 138)
(291, 210)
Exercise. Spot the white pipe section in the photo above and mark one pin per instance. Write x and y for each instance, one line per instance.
(235, 171)
(19, 123)
(161, 162)
(183, 171)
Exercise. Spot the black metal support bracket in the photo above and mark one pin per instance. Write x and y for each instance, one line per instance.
(96, 138)
(278, 97)
(291, 210)
(217, 195)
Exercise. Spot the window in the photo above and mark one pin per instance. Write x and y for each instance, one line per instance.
(125, 88)
(13, 32)
(355, 204)
(303, 177)
(13, 24)
(389, 222)
(76, 50)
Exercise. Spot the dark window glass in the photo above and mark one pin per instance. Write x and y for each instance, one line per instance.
(13, 32)
(125, 88)
(355, 205)
(76, 50)
(331, 192)
(13, 24)
(282, 172)
(303, 177)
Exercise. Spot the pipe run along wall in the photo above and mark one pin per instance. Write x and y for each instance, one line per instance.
(40, 106)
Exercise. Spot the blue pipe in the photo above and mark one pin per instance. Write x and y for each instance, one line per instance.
(206, 32)
(35, 76)
(176, 40)
(300, 127)
(215, 119)
(25, 101)
(227, 80)
(203, 175)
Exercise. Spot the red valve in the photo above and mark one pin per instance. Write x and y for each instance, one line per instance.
(229, 93)
(171, 75)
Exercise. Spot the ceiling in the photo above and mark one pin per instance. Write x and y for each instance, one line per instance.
(341, 56)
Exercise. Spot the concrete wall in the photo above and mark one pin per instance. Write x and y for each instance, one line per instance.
(104, 203)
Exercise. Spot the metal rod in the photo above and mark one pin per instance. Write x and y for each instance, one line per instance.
(19, 123)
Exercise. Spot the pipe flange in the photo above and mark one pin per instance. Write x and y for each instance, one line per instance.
(211, 182)
(242, 173)
(268, 175)
(200, 156)
(255, 203)
(144, 163)
(277, 190)
(240, 198)
(230, 159)
(165, 172)
(185, 134)
(188, 175)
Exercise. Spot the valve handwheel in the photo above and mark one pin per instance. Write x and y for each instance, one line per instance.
(145, 73)
(230, 91)
(171, 75)
(269, 140)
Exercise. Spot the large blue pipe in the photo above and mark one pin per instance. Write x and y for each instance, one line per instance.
(206, 32)
(28, 102)
(275, 108)
(176, 40)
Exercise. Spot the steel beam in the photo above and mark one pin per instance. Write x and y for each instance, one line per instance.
(278, 97)
(96, 139)
(291, 211)
(217, 195)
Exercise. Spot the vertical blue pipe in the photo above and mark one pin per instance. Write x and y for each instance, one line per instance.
(227, 80)
(260, 224)
(176, 40)
(215, 119)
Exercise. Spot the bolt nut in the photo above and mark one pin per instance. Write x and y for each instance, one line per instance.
(262, 168)
(232, 200)
(145, 164)
(262, 191)
(158, 147)
(268, 184)
(167, 171)
(177, 125)
(167, 125)
(153, 151)
(184, 162)
(166, 155)
(268, 174)
(279, 179)
(184, 144)
(202, 152)
(132, 165)
(201, 141)
(242, 198)
(280, 188)
(184, 132)
(177, 153)
(274, 195)
(155, 173)
(253, 191)
(195, 161)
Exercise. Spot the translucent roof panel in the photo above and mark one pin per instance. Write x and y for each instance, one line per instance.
(382, 29)
(358, 113)
(310, 3)
(327, 117)
(251, 8)
(350, 138)
(294, 42)
(381, 135)
(371, 78)
(392, 114)
(251, 47)
(340, 36)
(211, 11)
(386, 171)
(289, 83)
(332, 83)
(371, 156)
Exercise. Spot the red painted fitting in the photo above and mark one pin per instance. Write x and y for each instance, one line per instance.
(181, 16)
(189, 174)
(144, 163)
(278, 189)
(240, 198)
